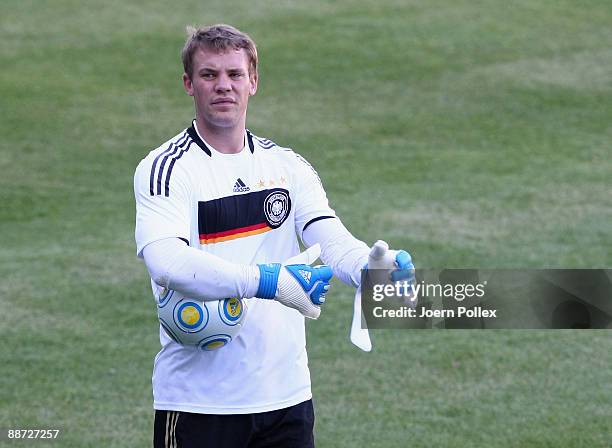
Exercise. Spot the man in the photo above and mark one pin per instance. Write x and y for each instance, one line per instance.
(218, 212)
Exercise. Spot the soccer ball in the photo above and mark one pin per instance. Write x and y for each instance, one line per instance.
(207, 325)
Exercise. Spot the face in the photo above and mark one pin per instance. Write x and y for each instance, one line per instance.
(220, 86)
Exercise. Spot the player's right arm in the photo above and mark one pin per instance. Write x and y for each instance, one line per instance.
(174, 265)
(294, 283)
(162, 230)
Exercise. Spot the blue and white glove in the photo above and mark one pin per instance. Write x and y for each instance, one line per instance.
(296, 283)
(397, 264)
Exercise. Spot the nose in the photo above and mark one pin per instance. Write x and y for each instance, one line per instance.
(223, 83)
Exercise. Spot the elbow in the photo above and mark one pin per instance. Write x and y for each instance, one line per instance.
(160, 259)
(160, 279)
(159, 273)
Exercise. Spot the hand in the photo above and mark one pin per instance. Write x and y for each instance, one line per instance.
(391, 266)
(296, 283)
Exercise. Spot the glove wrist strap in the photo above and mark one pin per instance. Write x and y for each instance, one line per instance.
(268, 280)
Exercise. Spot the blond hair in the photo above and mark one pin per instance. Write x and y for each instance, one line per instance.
(220, 38)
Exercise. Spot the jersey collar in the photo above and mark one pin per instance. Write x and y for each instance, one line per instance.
(191, 130)
(195, 136)
(250, 140)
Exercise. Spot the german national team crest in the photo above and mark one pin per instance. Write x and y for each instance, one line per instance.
(276, 208)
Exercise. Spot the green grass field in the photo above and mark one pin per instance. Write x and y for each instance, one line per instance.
(472, 133)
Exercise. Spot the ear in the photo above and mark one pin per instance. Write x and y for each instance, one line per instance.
(253, 79)
(187, 84)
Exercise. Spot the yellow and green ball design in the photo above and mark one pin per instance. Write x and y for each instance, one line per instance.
(207, 325)
(191, 316)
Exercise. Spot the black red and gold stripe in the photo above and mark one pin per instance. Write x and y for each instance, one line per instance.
(243, 215)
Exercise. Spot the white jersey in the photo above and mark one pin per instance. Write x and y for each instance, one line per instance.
(248, 208)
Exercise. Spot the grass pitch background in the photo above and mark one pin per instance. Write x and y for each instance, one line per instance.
(472, 133)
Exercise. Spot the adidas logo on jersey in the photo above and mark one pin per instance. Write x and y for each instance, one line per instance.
(240, 187)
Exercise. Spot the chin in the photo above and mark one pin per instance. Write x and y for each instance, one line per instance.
(221, 120)
(220, 123)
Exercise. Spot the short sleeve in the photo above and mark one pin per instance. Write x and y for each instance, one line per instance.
(311, 202)
(160, 216)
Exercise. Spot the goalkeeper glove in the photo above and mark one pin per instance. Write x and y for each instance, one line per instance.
(391, 266)
(296, 283)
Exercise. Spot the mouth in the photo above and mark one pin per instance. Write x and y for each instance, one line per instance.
(224, 101)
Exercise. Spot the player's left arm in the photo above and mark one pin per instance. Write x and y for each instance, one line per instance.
(347, 255)
(316, 222)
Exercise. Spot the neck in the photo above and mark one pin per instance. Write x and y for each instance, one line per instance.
(225, 140)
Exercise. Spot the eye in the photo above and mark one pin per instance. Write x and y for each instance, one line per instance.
(236, 75)
(208, 75)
